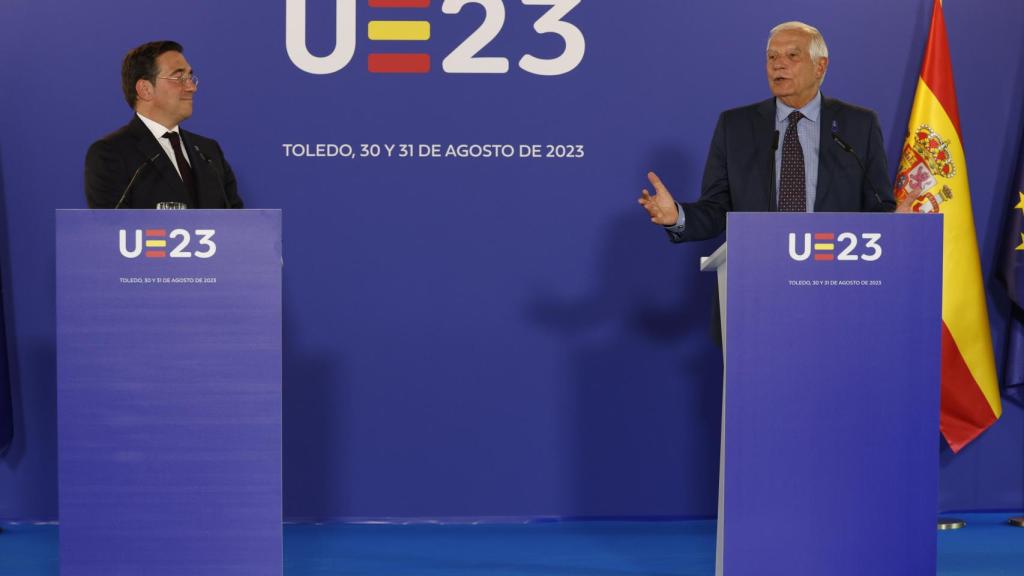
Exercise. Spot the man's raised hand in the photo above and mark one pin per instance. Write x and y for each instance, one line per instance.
(661, 207)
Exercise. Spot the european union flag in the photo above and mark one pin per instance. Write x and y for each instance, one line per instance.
(1012, 272)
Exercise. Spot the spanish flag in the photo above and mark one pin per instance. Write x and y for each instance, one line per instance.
(933, 178)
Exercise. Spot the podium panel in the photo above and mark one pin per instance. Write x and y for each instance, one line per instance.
(169, 392)
(831, 414)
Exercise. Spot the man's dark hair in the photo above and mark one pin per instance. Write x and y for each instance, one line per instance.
(140, 63)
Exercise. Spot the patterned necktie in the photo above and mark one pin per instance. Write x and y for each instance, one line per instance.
(792, 181)
(185, 170)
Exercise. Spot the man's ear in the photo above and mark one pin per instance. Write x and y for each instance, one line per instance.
(144, 89)
(822, 67)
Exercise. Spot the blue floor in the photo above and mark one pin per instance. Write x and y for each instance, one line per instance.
(987, 547)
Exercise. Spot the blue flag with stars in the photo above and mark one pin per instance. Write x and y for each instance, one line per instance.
(1012, 272)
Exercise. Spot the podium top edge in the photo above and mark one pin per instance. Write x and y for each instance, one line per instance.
(155, 210)
(715, 261)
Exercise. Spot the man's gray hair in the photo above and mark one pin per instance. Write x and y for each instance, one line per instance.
(818, 50)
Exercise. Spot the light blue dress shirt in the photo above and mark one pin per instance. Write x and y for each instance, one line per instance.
(808, 132)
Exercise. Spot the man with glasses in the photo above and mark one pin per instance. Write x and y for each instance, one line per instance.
(795, 152)
(151, 162)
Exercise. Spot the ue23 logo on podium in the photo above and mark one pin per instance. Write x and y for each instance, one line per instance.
(826, 244)
(158, 243)
(463, 59)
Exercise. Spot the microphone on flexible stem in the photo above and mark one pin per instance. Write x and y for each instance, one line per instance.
(842, 144)
(771, 182)
(134, 176)
(220, 180)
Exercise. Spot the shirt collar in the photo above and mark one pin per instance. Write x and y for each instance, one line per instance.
(811, 110)
(156, 128)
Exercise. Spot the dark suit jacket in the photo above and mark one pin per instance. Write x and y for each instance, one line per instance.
(739, 165)
(113, 159)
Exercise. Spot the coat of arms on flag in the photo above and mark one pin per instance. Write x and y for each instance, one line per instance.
(925, 156)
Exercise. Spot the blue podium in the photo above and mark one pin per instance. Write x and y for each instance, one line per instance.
(169, 392)
(830, 428)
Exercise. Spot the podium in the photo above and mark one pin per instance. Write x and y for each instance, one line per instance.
(169, 392)
(830, 423)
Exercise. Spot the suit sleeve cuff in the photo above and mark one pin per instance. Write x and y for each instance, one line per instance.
(680, 224)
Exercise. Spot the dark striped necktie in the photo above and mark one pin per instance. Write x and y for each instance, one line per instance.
(186, 171)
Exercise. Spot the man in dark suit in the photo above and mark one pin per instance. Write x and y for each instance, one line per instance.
(151, 160)
(797, 151)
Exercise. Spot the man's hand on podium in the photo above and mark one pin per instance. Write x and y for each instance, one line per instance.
(661, 207)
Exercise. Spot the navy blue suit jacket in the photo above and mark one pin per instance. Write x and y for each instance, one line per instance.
(112, 160)
(739, 165)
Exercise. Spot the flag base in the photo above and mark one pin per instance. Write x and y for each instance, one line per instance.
(951, 524)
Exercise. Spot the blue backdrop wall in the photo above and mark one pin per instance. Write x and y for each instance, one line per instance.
(479, 336)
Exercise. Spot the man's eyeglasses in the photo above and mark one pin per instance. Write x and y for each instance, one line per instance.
(183, 79)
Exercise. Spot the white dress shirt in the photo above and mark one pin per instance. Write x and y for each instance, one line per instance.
(158, 131)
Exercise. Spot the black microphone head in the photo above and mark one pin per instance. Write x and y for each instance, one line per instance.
(775, 141)
(849, 149)
(201, 155)
(842, 143)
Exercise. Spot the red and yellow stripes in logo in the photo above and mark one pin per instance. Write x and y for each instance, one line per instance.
(398, 31)
(156, 243)
(824, 246)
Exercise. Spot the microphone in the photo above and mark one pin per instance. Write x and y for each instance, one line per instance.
(842, 144)
(216, 173)
(134, 176)
(771, 181)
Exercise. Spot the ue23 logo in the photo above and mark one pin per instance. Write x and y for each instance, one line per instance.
(462, 60)
(157, 242)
